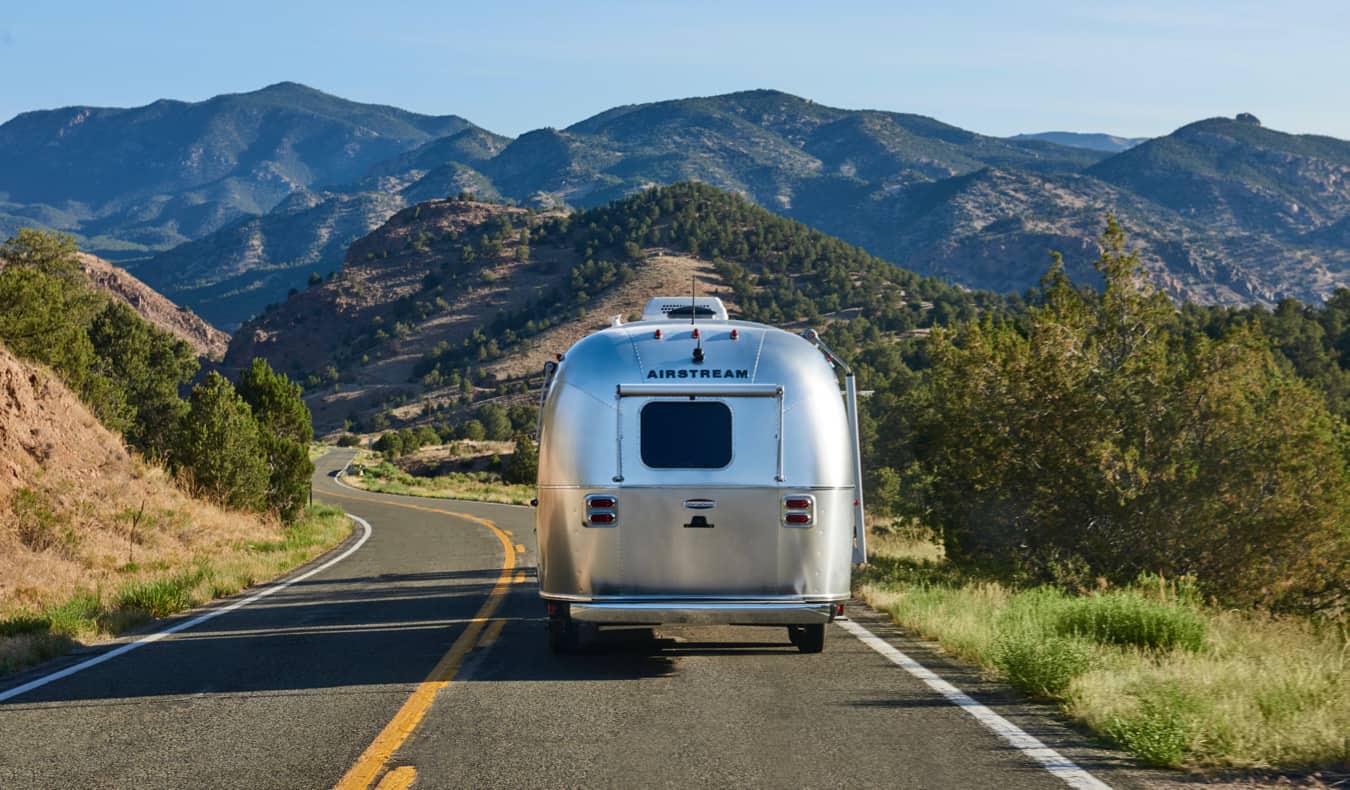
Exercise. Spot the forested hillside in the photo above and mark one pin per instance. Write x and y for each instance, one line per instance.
(448, 301)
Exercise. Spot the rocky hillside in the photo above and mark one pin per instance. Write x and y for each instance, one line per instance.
(232, 274)
(453, 302)
(205, 339)
(148, 178)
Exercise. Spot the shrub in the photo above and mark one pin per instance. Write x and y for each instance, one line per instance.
(1041, 665)
(40, 526)
(391, 444)
(348, 440)
(472, 430)
(1159, 733)
(1128, 618)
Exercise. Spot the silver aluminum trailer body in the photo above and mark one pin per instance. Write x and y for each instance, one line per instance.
(708, 486)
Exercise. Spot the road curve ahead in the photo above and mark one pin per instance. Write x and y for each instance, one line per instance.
(420, 660)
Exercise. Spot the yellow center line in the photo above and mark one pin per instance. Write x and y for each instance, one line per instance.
(401, 778)
(408, 717)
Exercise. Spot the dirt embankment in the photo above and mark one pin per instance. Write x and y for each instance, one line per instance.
(78, 511)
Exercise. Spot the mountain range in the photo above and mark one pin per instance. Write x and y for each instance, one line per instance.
(227, 205)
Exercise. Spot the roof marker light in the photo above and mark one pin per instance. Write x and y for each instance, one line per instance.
(735, 334)
(658, 334)
(696, 332)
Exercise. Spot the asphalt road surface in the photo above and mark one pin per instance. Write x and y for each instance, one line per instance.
(420, 659)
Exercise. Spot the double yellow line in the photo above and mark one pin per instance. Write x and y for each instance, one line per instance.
(410, 715)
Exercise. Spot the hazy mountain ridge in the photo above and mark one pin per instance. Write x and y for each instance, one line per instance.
(1223, 210)
(1109, 143)
(152, 177)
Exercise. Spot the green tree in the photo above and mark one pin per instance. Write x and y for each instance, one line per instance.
(1094, 436)
(147, 366)
(46, 306)
(391, 444)
(524, 464)
(286, 431)
(427, 436)
(220, 447)
(473, 430)
(496, 422)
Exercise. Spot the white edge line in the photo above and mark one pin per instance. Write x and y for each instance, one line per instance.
(1051, 760)
(183, 626)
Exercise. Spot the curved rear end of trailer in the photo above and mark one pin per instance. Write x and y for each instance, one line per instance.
(696, 472)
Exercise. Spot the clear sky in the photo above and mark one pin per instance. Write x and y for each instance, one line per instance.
(1130, 68)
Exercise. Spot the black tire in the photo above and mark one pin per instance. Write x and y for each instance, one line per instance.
(810, 638)
(563, 635)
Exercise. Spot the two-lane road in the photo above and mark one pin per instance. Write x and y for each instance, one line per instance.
(420, 658)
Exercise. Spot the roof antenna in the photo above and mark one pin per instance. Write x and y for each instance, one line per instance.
(693, 297)
(693, 312)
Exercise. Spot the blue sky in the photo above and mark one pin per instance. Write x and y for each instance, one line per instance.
(1130, 68)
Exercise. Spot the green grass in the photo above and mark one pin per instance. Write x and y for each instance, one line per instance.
(385, 478)
(30, 637)
(1129, 618)
(1148, 668)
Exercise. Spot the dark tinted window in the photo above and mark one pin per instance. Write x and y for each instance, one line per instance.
(686, 435)
(695, 311)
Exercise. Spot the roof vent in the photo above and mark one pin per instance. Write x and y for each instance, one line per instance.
(683, 308)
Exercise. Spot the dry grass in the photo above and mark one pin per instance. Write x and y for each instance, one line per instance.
(372, 473)
(1252, 692)
(136, 592)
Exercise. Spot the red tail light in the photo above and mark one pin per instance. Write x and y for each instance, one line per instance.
(799, 510)
(601, 510)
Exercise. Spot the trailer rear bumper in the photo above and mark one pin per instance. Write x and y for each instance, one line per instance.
(704, 612)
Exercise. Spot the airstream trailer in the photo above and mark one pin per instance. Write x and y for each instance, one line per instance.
(697, 470)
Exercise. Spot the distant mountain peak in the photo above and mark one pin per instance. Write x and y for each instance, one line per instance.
(288, 86)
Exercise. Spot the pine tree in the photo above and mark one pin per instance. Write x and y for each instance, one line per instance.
(286, 431)
(46, 306)
(147, 366)
(524, 465)
(220, 447)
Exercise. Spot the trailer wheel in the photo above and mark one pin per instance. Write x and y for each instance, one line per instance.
(563, 635)
(808, 638)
